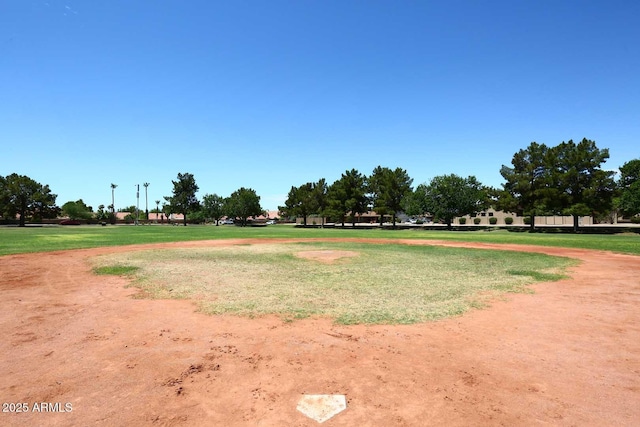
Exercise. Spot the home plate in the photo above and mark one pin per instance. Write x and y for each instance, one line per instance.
(321, 407)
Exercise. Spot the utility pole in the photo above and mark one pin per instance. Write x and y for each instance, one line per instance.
(137, 203)
(113, 202)
(146, 200)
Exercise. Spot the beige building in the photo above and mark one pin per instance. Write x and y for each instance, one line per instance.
(366, 218)
(500, 216)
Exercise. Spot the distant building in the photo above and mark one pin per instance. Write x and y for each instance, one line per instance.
(500, 216)
(153, 216)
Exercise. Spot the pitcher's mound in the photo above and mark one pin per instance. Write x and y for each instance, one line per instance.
(326, 257)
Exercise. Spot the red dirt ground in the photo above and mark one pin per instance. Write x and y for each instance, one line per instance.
(567, 355)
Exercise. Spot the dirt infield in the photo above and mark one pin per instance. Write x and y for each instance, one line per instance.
(567, 355)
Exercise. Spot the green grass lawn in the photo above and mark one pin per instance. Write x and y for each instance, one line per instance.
(38, 239)
(377, 284)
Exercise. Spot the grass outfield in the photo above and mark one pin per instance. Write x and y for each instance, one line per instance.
(15, 240)
(363, 283)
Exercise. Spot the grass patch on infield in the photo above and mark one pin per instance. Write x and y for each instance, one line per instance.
(376, 283)
(116, 270)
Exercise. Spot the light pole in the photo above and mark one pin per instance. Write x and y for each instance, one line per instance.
(137, 203)
(146, 200)
(113, 203)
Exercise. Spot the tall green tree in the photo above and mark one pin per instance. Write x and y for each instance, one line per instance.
(629, 185)
(213, 207)
(301, 202)
(242, 204)
(629, 173)
(585, 188)
(450, 196)
(77, 210)
(416, 202)
(184, 198)
(376, 187)
(348, 195)
(102, 214)
(167, 210)
(320, 197)
(21, 195)
(528, 189)
(388, 189)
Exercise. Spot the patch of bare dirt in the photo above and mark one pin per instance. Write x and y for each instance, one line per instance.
(567, 355)
(326, 256)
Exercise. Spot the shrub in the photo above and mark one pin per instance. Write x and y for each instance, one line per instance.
(493, 220)
(635, 219)
(508, 220)
(462, 220)
(476, 221)
(527, 220)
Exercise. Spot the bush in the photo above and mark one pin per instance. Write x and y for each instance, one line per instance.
(462, 220)
(527, 220)
(635, 219)
(508, 220)
(476, 221)
(493, 220)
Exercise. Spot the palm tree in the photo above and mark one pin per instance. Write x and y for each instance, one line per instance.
(113, 203)
(146, 201)
(157, 209)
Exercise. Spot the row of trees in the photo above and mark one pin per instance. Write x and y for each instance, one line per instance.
(241, 204)
(567, 179)
(352, 194)
(22, 197)
(387, 192)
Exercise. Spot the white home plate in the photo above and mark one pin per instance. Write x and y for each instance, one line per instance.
(321, 407)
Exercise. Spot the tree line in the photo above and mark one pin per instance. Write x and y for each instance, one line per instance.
(566, 179)
(240, 205)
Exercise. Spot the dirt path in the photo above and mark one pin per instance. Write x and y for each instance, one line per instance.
(567, 355)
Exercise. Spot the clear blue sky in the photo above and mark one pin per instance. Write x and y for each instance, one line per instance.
(270, 94)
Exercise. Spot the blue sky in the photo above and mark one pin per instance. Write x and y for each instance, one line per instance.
(270, 94)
